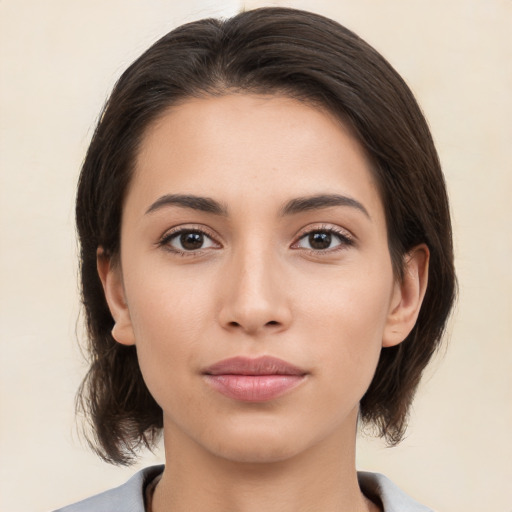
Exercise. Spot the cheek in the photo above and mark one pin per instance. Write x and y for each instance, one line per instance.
(345, 320)
(355, 302)
(169, 322)
(166, 303)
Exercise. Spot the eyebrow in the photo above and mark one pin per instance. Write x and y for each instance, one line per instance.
(297, 205)
(203, 204)
(302, 204)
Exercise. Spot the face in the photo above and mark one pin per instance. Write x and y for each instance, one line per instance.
(254, 278)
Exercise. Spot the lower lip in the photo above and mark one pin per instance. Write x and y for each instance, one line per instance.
(254, 388)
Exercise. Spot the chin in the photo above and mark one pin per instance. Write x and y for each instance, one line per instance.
(257, 452)
(256, 445)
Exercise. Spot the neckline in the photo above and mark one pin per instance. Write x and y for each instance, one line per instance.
(149, 490)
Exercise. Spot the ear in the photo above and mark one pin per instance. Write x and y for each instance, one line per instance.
(407, 296)
(111, 277)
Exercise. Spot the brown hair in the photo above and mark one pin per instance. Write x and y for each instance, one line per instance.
(268, 50)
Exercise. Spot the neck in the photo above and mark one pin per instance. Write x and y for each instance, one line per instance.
(320, 478)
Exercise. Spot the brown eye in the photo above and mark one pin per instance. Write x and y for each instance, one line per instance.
(188, 240)
(324, 240)
(319, 240)
(192, 241)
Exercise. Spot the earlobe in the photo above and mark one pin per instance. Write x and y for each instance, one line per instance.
(407, 297)
(112, 281)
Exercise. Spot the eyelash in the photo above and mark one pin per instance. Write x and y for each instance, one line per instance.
(175, 233)
(345, 239)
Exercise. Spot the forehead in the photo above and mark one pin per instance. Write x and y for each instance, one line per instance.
(251, 146)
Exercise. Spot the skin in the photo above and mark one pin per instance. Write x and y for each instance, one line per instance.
(255, 287)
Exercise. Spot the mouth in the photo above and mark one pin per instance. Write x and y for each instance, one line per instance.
(253, 380)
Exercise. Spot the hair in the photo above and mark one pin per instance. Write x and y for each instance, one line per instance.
(264, 51)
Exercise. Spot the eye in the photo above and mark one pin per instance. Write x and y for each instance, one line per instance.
(188, 240)
(323, 240)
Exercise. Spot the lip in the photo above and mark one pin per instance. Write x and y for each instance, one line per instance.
(253, 379)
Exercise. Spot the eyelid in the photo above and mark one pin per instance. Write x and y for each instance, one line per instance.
(346, 237)
(173, 232)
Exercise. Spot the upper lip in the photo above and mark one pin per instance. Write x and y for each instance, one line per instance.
(264, 365)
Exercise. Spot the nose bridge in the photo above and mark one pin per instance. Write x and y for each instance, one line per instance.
(256, 297)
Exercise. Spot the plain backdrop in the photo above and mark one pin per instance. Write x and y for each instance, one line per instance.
(59, 60)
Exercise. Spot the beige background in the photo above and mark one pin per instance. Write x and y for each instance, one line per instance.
(59, 60)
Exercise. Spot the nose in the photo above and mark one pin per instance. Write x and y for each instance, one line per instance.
(255, 299)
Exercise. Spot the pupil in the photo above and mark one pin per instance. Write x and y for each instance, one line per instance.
(191, 241)
(320, 240)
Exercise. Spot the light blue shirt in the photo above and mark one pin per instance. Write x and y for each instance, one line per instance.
(129, 497)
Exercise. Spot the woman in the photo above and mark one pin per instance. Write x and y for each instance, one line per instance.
(266, 259)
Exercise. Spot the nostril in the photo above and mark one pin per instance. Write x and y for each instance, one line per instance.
(272, 322)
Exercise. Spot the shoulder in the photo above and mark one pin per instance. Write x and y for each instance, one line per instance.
(128, 497)
(393, 499)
